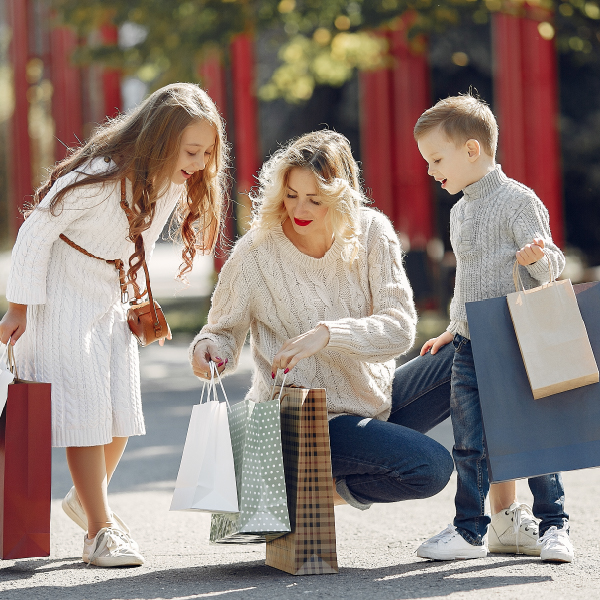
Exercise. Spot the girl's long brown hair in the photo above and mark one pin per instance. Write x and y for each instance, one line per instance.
(145, 144)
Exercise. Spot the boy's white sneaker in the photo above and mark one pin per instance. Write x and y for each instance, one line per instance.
(450, 545)
(111, 548)
(514, 530)
(556, 545)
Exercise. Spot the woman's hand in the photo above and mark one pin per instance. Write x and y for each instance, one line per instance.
(436, 343)
(302, 346)
(204, 352)
(13, 323)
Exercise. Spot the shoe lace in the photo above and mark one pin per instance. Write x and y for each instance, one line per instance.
(553, 537)
(110, 539)
(446, 533)
(522, 515)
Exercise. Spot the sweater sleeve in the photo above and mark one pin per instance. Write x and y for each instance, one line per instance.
(532, 221)
(31, 252)
(390, 330)
(230, 312)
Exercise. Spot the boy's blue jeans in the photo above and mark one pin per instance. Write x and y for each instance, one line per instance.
(469, 457)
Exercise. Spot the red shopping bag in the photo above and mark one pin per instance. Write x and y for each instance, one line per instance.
(25, 471)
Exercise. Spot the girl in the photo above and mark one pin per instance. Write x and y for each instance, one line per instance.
(65, 307)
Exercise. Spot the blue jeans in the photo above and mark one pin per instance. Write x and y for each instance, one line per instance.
(470, 459)
(389, 461)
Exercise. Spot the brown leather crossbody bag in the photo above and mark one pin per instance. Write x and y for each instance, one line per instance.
(144, 317)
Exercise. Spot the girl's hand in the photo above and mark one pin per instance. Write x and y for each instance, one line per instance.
(531, 253)
(436, 343)
(302, 346)
(13, 323)
(161, 342)
(204, 352)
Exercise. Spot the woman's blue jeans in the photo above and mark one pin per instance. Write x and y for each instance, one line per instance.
(390, 461)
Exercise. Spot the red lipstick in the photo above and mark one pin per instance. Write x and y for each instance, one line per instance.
(302, 223)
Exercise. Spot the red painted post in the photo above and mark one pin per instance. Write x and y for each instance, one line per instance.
(66, 99)
(18, 16)
(377, 137)
(527, 108)
(245, 116)
(212, 74)
(111, 78)
(412, 193)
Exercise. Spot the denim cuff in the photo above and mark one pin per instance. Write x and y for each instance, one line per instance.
(346, 494)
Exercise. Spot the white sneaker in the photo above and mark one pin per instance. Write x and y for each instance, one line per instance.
(111, 548)
(514, 530)
(450, 545)
(72, 507)
(556, 545)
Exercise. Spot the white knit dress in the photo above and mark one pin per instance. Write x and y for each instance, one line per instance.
(272, 289)
(77, 337)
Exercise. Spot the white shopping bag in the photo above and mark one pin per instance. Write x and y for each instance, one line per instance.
(6, 377)
(206, 479)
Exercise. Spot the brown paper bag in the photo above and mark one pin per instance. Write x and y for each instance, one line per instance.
(310, 548)
(552, 337)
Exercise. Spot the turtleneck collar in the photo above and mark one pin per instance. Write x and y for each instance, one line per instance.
(486, 185)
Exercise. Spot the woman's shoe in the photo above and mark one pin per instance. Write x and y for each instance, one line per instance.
(111, 548)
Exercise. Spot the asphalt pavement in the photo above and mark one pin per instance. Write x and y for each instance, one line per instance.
(376, 548)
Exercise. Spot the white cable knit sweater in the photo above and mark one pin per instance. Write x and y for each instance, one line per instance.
(496, 217)
(77, 337)
(277, 292)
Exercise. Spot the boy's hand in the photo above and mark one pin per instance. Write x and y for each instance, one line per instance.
(531, 252)
(436, 343)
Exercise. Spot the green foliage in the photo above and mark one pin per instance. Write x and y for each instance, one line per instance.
(318, 42)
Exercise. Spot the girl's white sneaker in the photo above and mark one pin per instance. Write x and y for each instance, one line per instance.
(556, 545)
(450, 545)
(111, 548)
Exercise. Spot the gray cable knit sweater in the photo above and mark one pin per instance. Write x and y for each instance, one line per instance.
(496, 217)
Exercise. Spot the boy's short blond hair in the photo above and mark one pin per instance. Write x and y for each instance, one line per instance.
(461, 118)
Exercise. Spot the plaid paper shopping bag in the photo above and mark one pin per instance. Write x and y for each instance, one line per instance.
(310, 549)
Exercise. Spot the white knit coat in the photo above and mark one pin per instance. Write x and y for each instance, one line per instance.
(77, 337)
(274, 290)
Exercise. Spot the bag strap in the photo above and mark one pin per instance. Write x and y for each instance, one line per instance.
(118, 263)
(12, 363)
(517, 273)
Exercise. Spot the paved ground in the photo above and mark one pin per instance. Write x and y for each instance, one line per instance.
(376, 548)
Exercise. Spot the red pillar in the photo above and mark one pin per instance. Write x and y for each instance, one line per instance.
(212, 74)
(245, 113)
(66, 99)
(527, 107)
(111, 78)
(413, 208)
(18, 14)
(376, 137)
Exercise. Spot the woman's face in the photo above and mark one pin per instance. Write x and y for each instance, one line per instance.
(197, 144)
(304, 208)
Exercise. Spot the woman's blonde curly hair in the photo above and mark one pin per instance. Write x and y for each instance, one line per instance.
(328, 156)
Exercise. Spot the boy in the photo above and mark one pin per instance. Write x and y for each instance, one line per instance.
(496, 219)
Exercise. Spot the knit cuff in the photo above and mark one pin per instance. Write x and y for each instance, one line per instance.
(539, 270)
(207, 336)
(25, 295)
(454, 327)
(341, 335)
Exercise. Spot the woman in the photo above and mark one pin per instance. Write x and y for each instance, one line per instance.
(320, 284)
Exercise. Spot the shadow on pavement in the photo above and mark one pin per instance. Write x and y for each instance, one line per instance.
(255, 580)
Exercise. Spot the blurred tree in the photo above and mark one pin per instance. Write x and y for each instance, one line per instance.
(317, 42)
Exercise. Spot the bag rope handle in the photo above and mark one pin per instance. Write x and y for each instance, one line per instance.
(517, 273)
(12, 363)
(275, 383)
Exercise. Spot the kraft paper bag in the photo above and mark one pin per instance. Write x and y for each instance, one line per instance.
(552, 338)
(310, 549)
(206, 479)
(25, 469)
(255, 429)
(527, 437)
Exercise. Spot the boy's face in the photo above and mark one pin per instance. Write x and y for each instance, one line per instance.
(450, 164)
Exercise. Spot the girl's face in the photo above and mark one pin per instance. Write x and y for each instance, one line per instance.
(304, 208)
(197, 144)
